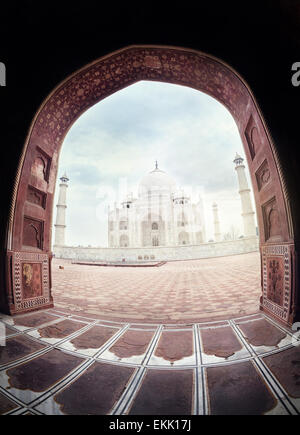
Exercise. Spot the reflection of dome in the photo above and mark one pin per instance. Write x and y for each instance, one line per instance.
(157, 181)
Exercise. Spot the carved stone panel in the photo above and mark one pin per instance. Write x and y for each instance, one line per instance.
(263, 176)
(276, 261)
(41, 165)
(33, 233)
(252, 136)
(275, 272)
(271, 220)
(35, 196)
(30, 278)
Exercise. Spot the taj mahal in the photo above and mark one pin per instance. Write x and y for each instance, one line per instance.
(160, 223)
(161, 215)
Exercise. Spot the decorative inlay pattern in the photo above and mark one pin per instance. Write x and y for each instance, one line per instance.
(30, 280)
(121, 69)
(277, 279)
(275, 274)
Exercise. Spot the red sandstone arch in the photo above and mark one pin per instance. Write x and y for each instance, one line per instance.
(32, 201)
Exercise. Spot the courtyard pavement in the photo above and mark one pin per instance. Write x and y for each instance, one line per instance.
(179, 291)
(168, 356)
(55, 363)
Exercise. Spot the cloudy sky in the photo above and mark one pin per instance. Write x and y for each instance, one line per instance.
(115, 143)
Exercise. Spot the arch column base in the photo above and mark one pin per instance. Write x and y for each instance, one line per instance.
(278, 285)
(28, 285)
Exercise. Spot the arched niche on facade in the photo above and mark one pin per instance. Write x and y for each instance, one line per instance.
(39, 161)
(124, 241)
(183, 238)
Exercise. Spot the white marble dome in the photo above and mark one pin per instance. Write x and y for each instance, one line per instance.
(157, 182)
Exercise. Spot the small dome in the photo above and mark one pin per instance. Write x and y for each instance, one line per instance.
(157, 181)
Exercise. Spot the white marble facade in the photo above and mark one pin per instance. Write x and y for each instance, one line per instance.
(161, 215)
(159, 253)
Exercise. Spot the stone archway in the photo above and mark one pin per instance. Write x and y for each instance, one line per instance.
(32, 201)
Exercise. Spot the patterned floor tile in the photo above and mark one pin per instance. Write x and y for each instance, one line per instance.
(285, 365)
(93, 393)
(237, 389)
(6, 404)
(263, 335)
(221, 344)
(56, 332)
(174, 348)
(130, 347)
(26, 381)
(164, 393)
(18, 347)
(91, 341)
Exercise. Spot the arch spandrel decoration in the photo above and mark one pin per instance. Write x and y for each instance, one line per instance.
(176, 65)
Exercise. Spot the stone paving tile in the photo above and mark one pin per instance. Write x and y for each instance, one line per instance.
(212, 324)
(34, 320)
(40, 373)
(93, 338)
(95, 391)
(194, 290)
(10, 331)
(164, 393)
(174, 348)
(263, 335)
(220, 342)
(285, 365)
(89, 342)
(55, 332)
(6, 404)
(130, 347)
(238, 390)
(132, 343)
(17, 347)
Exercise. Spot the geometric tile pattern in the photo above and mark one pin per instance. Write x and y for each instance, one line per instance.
(132, 368)
(177, 291)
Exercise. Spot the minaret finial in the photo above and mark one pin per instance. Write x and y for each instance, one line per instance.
(156, 165)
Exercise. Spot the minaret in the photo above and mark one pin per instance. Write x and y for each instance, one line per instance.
(60, 225)
(216, 222)
(244, 191)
